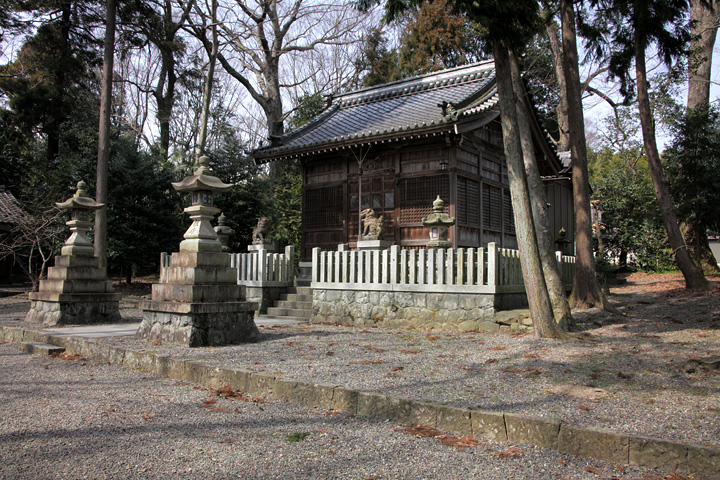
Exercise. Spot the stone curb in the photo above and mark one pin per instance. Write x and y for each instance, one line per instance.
(605, 445)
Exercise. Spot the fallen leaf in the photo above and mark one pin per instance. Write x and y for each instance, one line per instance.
(624, 376)
(512, 452)
(459, 442)
(497, 348)
(374, 349)
(583, 407)
(674, 476)
(593, 470)
(395, 369)
(491, 360)
(619, 467)
(410, 351)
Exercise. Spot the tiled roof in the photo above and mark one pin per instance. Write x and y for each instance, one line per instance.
(419, 106)
(10, 212)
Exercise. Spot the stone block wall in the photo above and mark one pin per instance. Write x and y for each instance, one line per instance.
(426, 311)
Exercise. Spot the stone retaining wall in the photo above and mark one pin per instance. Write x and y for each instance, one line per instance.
(467, 312)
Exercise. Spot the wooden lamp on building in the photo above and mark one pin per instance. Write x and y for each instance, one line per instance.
(439, 222)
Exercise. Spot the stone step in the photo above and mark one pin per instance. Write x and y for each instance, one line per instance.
(296, 297)
(264, 316)
(300, 290)
(40, 348)
(289, 312)
(294, 304)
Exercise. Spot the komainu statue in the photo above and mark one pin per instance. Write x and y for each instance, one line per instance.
(261, 231)
(372, 225)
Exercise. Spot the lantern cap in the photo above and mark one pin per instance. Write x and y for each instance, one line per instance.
(202, 179)
(80, 200)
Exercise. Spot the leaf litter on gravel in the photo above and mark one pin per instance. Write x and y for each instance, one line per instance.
(456, 441)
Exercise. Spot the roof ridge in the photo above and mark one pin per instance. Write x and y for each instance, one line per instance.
(445, 78)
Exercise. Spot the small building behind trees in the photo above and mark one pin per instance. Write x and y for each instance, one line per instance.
(11, 215)
(396, 147)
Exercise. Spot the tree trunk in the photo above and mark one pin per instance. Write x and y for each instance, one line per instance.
(694, 278)
(563, 143)
(703, 29)
(274, 114)
(538, 298)
(699, 247)
(207, 93)
(52, 129)
(101, 186)
(586, 290)
(538, 202)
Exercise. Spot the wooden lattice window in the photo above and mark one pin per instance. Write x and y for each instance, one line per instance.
(492, 207)
(467, 207)
(508, 212)
(417, 196)
(323, 208)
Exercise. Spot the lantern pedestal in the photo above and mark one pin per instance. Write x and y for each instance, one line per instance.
(76, 290)
(374, 244)
(198, 301)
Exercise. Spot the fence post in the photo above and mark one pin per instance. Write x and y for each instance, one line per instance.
(450, 271)
(492, 263)
(394, 258)
(422, 267)
(412, 263)
(316, 264)
(289, 263)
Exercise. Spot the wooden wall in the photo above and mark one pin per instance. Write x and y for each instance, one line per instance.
(401, 180)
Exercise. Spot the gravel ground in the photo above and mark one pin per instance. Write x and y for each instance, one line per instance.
(75, 418)
(631, 378)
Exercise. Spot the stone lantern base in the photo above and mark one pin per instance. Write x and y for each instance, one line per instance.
(198, 303)
(374, 244)
(76, 292)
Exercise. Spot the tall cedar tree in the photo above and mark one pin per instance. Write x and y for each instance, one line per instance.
(510, 26)
(704, 18)
(692, 163)
(586, 289)
(621, 32)
(103, 158)
(435, 39)
(50, 69)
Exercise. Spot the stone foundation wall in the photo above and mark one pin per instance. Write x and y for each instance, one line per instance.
(199, 329)
(73, 313)
(426, 311)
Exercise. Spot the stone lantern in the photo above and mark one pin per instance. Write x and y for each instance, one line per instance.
(76, 290)
(201, 237)
(439, 222)
(198, 301)
(80, 206)
(224, 232)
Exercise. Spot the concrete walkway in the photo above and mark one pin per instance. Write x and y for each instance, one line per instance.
(129, 329)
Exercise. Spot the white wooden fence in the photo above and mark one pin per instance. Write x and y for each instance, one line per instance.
(264, 269)
(480, 270)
